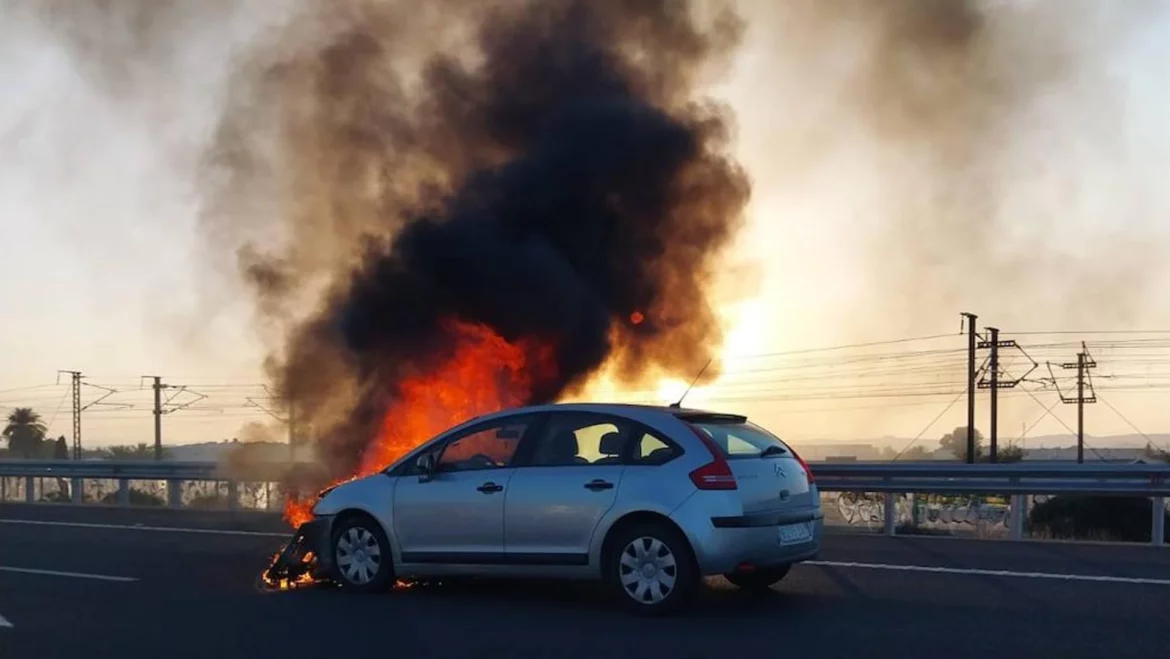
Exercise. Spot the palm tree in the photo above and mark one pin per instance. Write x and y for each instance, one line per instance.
(25, 433)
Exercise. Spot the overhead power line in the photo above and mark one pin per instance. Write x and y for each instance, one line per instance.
(30, 388)
(1091, 332)
(1126, 420)
(928, 426)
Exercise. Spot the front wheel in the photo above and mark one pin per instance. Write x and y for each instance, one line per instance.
(361, 555)
(653, 569)
(759, 579)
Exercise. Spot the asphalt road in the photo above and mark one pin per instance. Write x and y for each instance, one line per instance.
(116, 583)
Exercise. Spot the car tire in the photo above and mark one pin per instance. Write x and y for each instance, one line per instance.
(652, 569)
(759, 579)
(362, 561)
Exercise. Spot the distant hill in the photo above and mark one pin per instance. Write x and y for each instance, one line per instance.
(1038, 441)
(1099, 442)
(215, 451)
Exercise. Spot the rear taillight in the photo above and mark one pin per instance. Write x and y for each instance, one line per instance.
(715, 475)
(804, 465)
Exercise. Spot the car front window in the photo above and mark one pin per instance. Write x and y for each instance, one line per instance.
(492, 447)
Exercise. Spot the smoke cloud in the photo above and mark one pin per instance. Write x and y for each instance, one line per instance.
(546, 169)
(550, 169)
(254, 432)
(980, 154)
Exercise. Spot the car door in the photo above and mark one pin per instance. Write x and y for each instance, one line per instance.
(456, 516)
(566, 479)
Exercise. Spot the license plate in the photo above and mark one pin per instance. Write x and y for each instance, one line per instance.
(794, 533)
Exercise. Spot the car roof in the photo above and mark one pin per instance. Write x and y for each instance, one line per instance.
(616, 408)
(628, 410)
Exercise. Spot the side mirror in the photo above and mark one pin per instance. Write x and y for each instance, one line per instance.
(426, 467)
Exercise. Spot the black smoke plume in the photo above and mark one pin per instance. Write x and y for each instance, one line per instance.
(549, 169)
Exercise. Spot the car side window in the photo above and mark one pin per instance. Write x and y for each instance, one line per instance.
(648, 449)
(486, 447)
(580, 439)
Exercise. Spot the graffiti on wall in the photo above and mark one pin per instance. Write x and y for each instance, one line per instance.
(868, 509)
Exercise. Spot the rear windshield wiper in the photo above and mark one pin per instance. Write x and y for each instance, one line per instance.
(773, 450)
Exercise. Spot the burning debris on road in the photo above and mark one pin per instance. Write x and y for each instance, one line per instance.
(281, 575)
(496, 202)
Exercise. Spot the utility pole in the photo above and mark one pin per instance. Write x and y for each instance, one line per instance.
(993, 447)
(158, 387)
(995, 383)
(160, 409)
(1083, 363)
(970, 318)
(75, 377)
(77, 381)
(1081, 407)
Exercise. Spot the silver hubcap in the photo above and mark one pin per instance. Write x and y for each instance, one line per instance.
(647, 570)
(358, 555)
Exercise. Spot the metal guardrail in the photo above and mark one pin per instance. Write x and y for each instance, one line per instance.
(150, 469)
(138, 469)
(889, 478)
(173, 474)
(1016, 479)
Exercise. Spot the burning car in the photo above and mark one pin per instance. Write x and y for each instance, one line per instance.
(648, 499)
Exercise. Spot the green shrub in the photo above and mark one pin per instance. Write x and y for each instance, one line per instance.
(137, 498)
(209, 501)
(1125, 519)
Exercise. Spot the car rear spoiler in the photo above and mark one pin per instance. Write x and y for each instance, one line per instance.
(692, 416)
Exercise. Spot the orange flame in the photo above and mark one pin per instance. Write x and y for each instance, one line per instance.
(485, 374)
(298, 511)
(285, 583)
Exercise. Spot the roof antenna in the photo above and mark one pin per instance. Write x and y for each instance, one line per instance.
(678, 403)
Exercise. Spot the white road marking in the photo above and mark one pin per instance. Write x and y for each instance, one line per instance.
(4, 622)
(75, 575)
(841, 564)
(139, 527)
(993, 573)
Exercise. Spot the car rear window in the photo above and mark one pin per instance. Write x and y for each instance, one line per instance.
(740, 440)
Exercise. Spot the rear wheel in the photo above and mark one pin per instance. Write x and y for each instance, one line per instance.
(361, 555)
(759, 579)
(652, 568)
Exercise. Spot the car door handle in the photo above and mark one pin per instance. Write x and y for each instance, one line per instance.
(489, 487)
(598, 485)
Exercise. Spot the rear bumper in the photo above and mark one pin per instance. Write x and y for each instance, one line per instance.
(755, 520)
(723, 542)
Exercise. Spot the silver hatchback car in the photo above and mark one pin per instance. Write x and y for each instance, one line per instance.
(648, 499)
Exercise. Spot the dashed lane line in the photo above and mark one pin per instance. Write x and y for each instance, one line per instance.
(57, 573)
(139, 527)
(992, 573)
(839, 564)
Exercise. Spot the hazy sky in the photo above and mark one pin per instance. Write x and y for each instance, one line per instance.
(884, 205)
